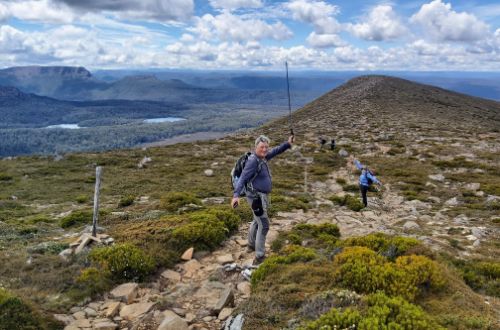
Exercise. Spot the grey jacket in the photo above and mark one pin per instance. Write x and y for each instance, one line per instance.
(262, 182)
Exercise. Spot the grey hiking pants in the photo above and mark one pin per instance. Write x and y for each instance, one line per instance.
(259, 226)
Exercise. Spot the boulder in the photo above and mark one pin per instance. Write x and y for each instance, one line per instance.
(125, 292)
(188, 254)
(172, 321)
(134, 311)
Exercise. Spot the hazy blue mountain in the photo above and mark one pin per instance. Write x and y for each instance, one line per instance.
(54, 81)
(481, 84)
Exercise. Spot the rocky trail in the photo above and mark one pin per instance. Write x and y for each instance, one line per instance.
(204, 290)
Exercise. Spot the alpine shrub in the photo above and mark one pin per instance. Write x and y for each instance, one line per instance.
(292, 254)
(204, 231)
(381, 312)
(16, 314)
(363, 270)
(123, 261)
(388, 246)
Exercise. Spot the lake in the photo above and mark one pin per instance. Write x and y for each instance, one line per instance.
(163, 120)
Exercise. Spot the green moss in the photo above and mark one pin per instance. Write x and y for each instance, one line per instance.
(123, 261)
(174, 200)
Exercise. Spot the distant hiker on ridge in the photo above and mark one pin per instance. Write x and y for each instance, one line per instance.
(366, 179)
(255, 182)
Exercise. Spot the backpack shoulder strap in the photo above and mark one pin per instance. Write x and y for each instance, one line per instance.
(260, 163)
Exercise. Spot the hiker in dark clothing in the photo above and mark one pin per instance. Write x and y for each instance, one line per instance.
(332, 144)
(256, 176)
(366, 179)
(322, 142)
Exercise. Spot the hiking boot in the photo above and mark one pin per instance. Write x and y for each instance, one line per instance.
(250, 249)
(258, 260)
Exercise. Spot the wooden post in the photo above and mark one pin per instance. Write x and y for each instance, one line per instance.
(98, 171)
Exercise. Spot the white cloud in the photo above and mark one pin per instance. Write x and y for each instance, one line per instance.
(40, 11)
(229, 27)
(317, 13)
(381, 24)
(235, 4)
(159, 10)
(11, 40)
(441, 22)
(324, 40)
(4, 12)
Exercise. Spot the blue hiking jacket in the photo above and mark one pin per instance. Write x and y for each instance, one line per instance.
(262, 182)
(363, 180)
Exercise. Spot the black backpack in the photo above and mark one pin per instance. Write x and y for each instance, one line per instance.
(238, 169)
(370, 181)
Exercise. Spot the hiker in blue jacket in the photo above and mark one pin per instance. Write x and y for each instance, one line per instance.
(366, 179)
(256, 177)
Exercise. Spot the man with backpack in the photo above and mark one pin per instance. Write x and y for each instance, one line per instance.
(366, 179)
(255, 183)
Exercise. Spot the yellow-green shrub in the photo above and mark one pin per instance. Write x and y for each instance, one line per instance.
(388, 246)
(172, 201)
(93, 280)
(334, 319)
(395, 313)
(381, 313)
(204, 231)
(229, 217)
(317, 235)
(362, 270)
(123, 261)
(291, 254)
(126, 200)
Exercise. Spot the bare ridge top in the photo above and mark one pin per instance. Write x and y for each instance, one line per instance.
(385, 101)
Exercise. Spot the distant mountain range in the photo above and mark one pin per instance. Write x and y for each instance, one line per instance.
(77, 83)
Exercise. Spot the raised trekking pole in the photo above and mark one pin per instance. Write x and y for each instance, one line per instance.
(289, 105)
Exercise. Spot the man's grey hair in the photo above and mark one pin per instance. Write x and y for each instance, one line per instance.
(262, 138)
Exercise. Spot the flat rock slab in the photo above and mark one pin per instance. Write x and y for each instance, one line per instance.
(107, 325)
(172, 321)
(225, 259)
(133, 311)
(125, 292)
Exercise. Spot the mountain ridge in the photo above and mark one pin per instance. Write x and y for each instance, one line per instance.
(376, 97)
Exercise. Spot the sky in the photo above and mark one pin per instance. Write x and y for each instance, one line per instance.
(438, 35)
